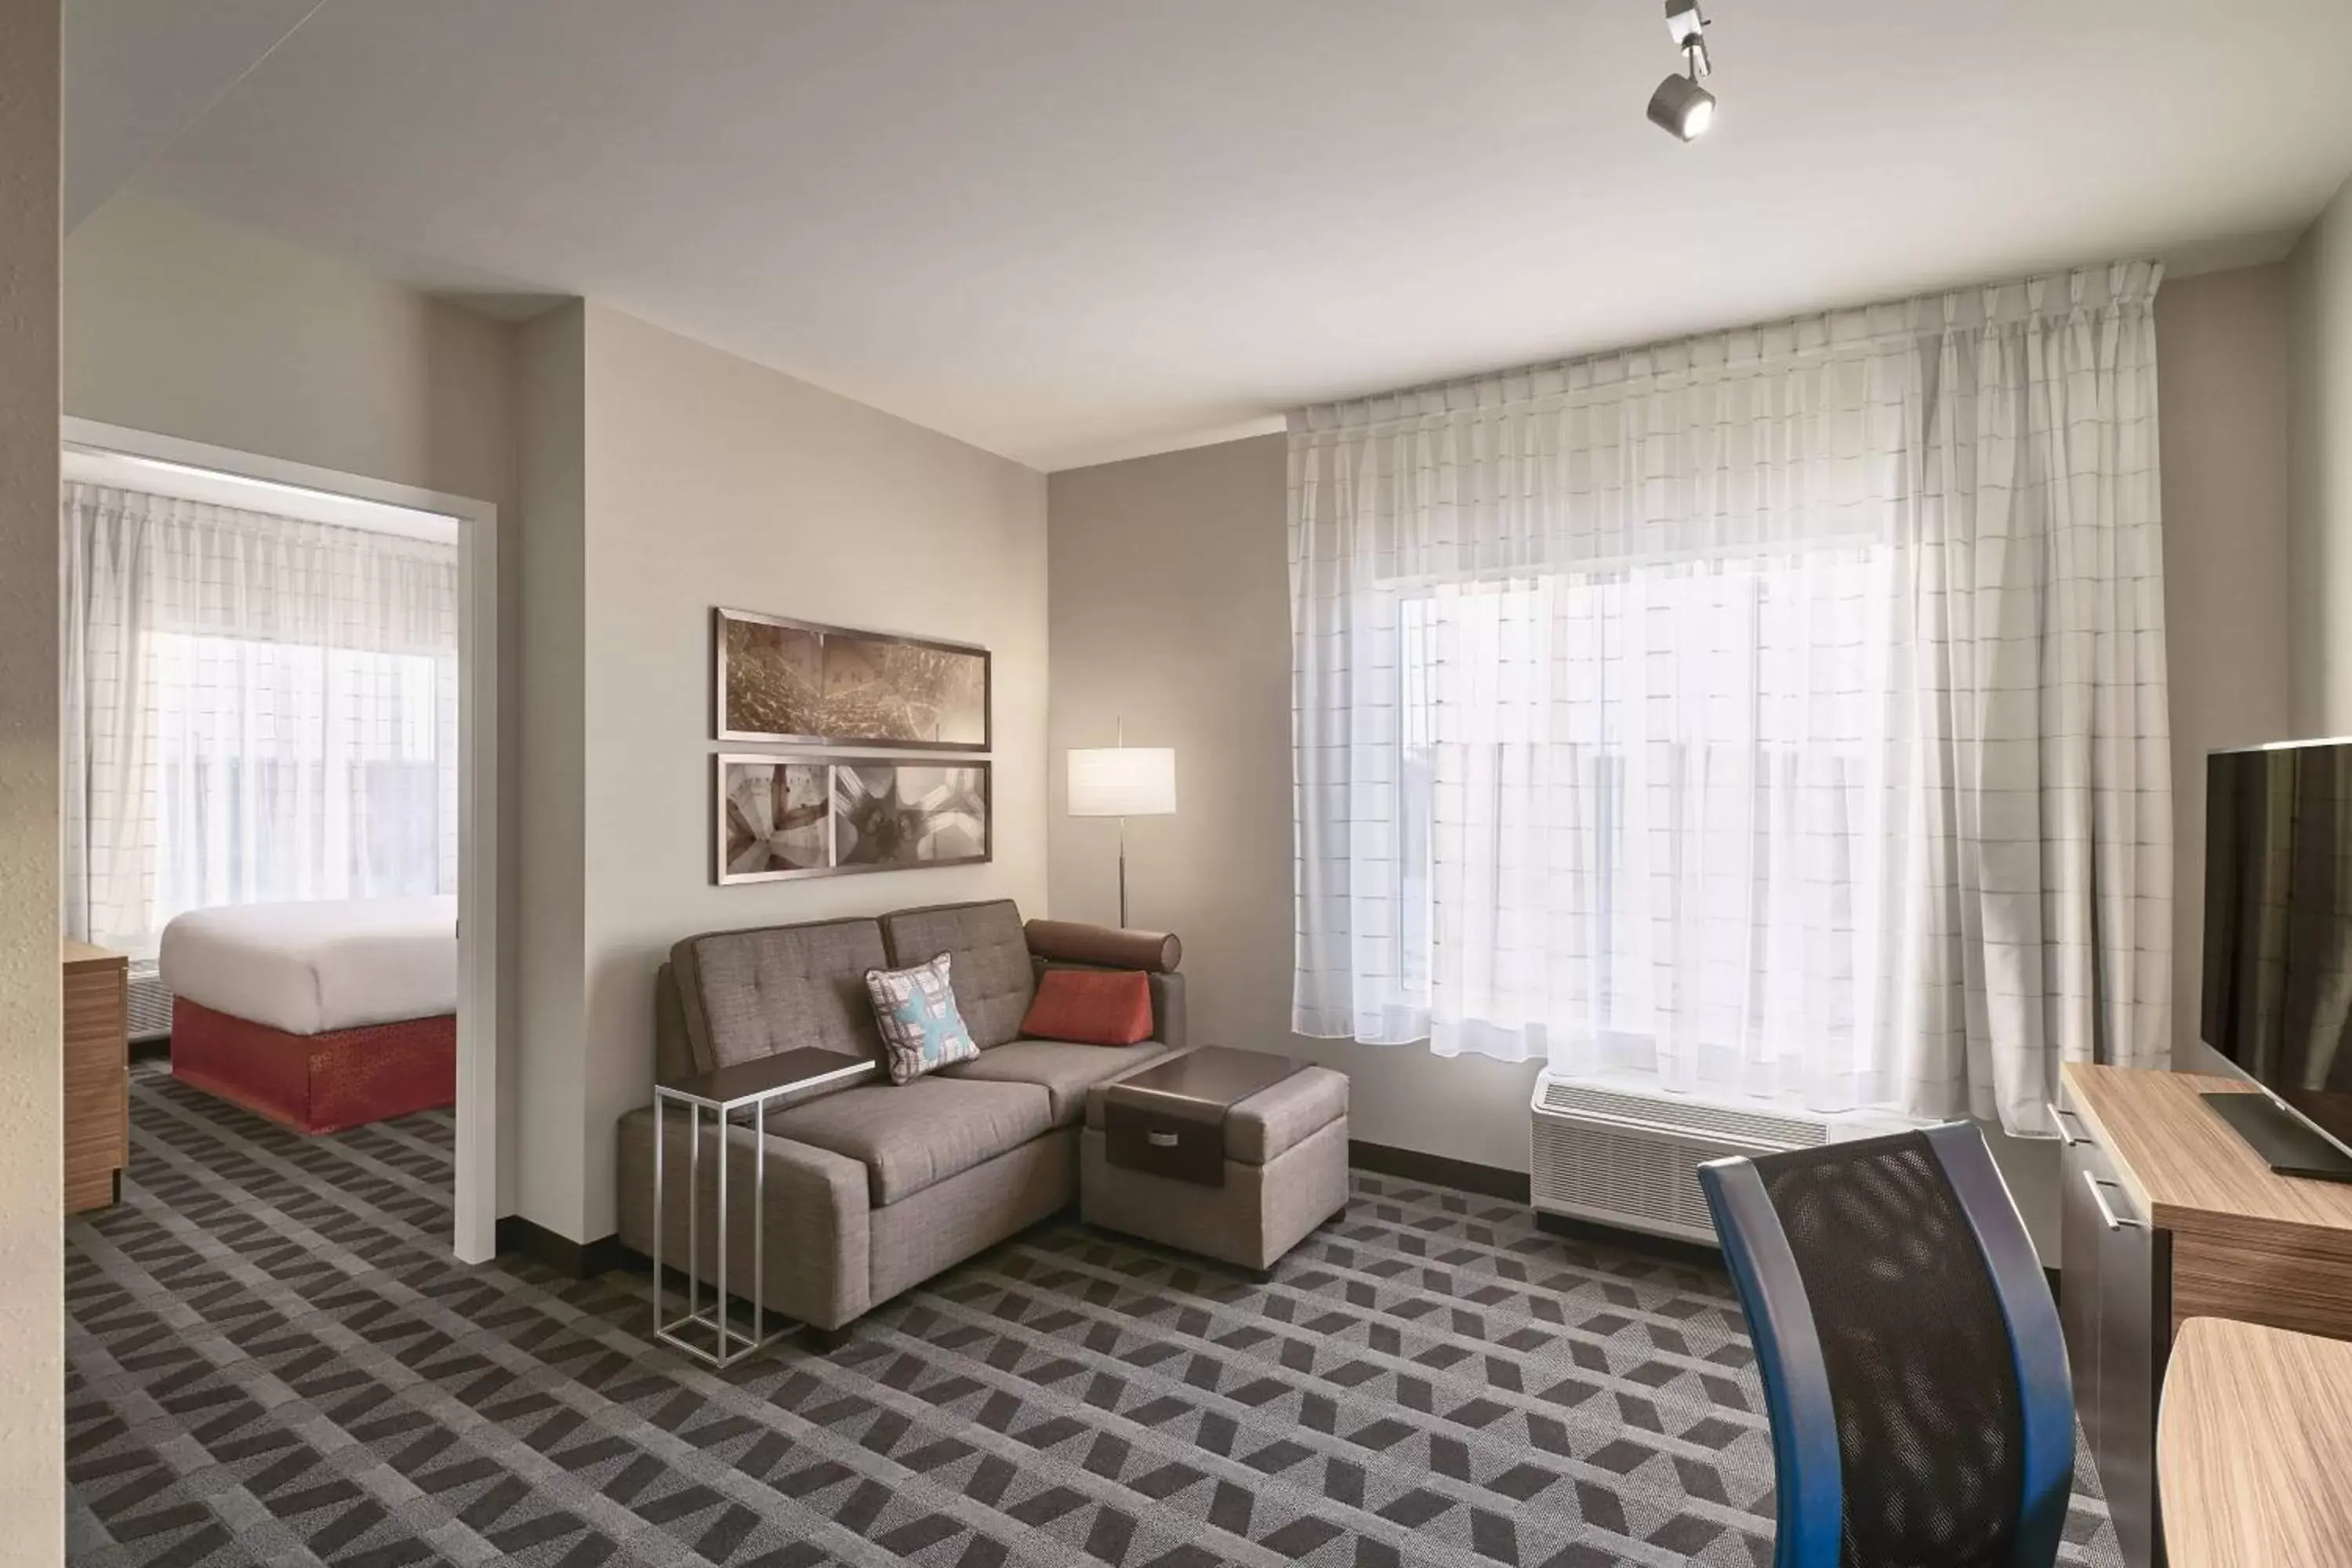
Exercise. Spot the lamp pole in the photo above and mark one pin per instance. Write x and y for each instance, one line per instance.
(1122, 839)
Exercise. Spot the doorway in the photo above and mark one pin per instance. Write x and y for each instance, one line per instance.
(102, 455)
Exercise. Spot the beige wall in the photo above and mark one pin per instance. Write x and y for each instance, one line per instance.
(188, 326)
(2319, 315)
(184, 325)
(549, 967)
(709, 480)
(1170, 606)
(32, 1259)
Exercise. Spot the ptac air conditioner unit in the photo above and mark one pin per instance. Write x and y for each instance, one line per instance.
(149, 1003)
(1619, 1152)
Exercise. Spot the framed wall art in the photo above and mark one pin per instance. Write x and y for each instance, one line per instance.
(802, 683)
(780, 817)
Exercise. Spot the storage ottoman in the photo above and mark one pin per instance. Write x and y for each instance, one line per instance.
(1281, 1172)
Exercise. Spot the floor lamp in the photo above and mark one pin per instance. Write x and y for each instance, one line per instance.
(1122, 780)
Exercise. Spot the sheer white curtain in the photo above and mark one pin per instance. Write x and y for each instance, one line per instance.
(1778, 714)
(256, 707)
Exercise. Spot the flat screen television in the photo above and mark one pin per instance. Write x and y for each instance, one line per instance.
(2278, 948)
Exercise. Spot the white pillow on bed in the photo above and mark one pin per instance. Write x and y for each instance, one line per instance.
(309, 968)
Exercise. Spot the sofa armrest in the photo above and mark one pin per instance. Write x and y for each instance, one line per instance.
(1103, 947)
(817, 1252)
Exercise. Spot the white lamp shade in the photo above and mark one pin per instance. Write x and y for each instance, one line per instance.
(1123, 781)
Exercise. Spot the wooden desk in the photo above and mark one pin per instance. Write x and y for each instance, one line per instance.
(2253, 1452)
(2168, 1217)
(96, 1074)
(2246, 1242)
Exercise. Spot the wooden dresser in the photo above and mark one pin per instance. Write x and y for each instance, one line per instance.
(97, 1075)
(2167, 1215)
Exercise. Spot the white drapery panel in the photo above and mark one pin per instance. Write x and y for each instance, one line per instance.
(256, 708)
(1780, 713)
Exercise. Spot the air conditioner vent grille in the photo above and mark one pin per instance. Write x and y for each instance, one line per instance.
(1626, 1158)
(1669, 1112)
(149, 1003)
(1646, 1180)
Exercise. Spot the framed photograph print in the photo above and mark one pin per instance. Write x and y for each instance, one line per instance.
(775, 818)
(802, 683)
(779, 817)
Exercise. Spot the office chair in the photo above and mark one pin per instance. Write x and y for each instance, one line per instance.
(1913, 1367)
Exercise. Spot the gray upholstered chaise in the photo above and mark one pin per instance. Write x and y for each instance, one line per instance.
(875, 1188)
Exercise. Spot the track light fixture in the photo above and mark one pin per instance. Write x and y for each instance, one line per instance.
(1680, 105)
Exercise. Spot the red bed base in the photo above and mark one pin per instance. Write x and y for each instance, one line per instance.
(317, 1083)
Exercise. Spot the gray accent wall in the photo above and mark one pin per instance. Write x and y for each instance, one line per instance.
(32, 1257)
(2221, 369)
(1170, 607)
(2319, 304)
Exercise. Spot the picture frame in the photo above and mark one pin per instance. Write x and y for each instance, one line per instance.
(782, 818)
(806, 683)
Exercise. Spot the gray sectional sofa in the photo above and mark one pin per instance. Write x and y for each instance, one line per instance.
(874, 1188)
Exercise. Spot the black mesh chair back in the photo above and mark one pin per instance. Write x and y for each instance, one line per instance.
(1910, 1352)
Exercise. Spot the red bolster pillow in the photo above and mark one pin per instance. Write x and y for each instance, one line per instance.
(1091, 1007)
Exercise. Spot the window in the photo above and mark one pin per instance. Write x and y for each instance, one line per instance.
(257, 709)
(1636, 808)
(292, 771)
(1778, 712)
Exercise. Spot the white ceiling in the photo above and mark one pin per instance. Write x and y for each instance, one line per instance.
(1068, 231)
(138, 72)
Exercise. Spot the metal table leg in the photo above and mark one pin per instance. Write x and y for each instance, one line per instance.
(726, 1344)
(718, 1304)
(660, 1213)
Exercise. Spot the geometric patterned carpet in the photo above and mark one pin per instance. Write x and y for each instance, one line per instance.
(271, 1358)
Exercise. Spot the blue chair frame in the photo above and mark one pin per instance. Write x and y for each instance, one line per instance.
(1781, 1321)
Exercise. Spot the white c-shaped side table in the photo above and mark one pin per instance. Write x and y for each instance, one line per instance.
(753, 1086)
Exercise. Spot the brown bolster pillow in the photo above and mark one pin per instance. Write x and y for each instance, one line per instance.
(1075, 941)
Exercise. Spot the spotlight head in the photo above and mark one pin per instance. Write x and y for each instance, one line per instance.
(1682, 106)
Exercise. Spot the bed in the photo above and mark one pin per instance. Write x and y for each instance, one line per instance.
(318, 1015)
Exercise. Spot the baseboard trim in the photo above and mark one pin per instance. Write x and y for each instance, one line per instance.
(1438, 1171)
(1493, 1182)
(575, 1259)
(1667, 1248)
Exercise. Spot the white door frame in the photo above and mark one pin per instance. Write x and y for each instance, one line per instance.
(475, 1207)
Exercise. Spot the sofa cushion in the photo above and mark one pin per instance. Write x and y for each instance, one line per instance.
(994, 976)
(909, 1136)
(1065, 1071)
(749, 993)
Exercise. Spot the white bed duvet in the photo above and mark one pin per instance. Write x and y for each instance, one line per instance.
(307, 968)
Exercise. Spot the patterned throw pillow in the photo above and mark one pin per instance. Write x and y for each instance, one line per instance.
(916, 1010)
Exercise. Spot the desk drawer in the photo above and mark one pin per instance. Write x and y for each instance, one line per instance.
(2115, 1303)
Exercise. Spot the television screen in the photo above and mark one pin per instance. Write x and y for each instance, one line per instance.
(2278, 924)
